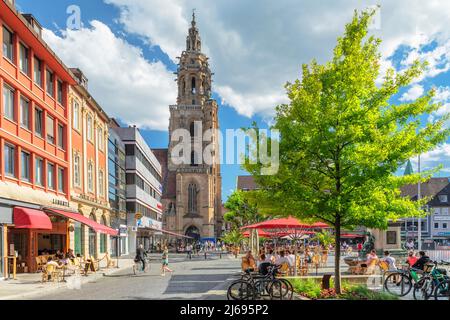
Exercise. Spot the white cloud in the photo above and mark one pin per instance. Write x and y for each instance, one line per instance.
(255, 49)
(124, 83)
(434, 158)
(413, 93)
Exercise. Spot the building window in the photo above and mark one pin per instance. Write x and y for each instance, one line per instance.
(37, 71)
(9, 156)
(50, 130)
(38, 121)
(101, 184)
(444, 225)
(39, 172)
(129, 150)
(192, 198)
(76, 171)
(436, 225)
(7, 44)
(8, 102)
(61, 136)
(442, 198)
(76, 115)
(49, 83)
(51, 176)
(24, 60)
(24, 113)
(103, 238)
(100, 138)
(61, 179)
(59, 90)
(25, 166)
(89, 128)
(444, 211)
(90, 178)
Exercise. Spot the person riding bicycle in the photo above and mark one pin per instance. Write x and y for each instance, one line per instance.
(423, 260)
(141, 254)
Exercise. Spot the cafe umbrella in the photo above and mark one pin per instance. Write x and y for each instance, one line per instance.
(290, 225)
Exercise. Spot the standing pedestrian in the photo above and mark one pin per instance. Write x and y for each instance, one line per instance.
(189, 251)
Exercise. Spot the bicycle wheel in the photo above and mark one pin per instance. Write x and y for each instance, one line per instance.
(442, 291)
(240, 290)
(288, 289)
(276, 289)
(423, 289)
(398, 284)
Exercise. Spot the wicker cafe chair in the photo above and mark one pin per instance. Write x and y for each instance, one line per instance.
(40, 264)
(302, 266)
(284, 269)
(53, 271)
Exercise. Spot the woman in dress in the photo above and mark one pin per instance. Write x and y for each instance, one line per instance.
(165, 262)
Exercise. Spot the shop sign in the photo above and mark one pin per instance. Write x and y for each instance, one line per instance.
(123, 230)
(146, 222)
(443, 234)
(441, 218)
(6, 214)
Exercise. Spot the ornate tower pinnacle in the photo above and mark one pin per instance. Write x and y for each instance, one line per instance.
(193, 41)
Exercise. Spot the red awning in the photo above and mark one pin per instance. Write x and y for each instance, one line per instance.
(86, 221)
(25, 218)
(171, 233)
(351, 235)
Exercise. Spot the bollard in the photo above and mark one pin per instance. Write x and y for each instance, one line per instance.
(205, 255)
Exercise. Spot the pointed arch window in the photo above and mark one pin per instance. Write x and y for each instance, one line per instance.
(192, 129)
(193, 85)
(192, 198)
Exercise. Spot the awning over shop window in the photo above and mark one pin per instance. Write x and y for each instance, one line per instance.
(171, 233)
(86, 221)
(25, 218)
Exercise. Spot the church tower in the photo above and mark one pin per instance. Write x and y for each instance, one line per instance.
(196, 209)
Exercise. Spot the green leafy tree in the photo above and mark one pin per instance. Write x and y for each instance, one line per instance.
(233, 237)
(342, 140)
(242, 210)
(325, 238)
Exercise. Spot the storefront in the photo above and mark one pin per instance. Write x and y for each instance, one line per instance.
(5, 220)
(148, 233)
(35, 233)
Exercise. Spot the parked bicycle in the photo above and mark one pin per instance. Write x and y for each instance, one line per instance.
(425, 287)
(252, 286)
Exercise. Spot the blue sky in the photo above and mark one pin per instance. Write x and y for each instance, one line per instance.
(127, 49)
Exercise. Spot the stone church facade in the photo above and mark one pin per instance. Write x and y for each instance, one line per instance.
(192, 188)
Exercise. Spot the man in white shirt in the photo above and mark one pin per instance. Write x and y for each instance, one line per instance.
(283, 259)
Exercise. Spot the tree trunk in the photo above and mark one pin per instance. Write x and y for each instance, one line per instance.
(337, 256)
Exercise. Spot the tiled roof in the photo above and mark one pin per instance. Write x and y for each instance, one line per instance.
(246, 183)
(431, 188)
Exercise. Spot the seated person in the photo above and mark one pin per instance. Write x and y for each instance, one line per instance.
(70, 255)
(390, 261)
(248, 262)
(412, 259)
(423, 260)
(282, 259)
(369, 259)
(59, 255)
(263, 265)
